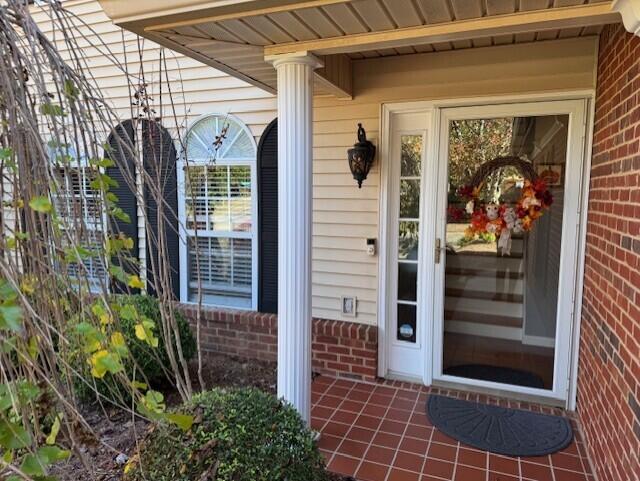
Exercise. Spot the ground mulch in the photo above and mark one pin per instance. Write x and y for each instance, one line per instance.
(117, 432)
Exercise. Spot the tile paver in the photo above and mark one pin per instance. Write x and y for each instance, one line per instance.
(380, 432)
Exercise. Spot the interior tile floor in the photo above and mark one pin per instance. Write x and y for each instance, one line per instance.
(380, 432)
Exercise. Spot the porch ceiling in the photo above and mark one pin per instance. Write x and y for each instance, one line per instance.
(235, 36)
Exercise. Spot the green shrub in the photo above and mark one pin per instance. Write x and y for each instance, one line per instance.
(239, 435)
(150, 360)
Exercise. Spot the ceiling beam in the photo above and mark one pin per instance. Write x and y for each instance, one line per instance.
(336, 76)
(530, 21)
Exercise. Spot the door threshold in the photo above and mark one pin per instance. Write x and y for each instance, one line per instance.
(501, 393)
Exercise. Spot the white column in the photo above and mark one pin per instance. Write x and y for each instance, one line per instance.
(630, 13)
(295, 98)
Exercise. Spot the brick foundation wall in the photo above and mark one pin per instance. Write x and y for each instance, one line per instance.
(339, 349)
(609, 368)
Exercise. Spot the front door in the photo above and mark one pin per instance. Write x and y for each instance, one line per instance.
(484, 237)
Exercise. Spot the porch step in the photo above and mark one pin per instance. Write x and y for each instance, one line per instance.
(484, 261)
(485, 285)
(484, 330)
(488, 294)
(483, 306)
(486, 272)
(482, 319)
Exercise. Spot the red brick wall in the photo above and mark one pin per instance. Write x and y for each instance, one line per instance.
(340, 349)
(609, 369)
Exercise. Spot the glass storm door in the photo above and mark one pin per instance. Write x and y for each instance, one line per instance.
(509, 179)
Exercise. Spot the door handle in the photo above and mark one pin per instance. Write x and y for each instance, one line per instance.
(439, 250)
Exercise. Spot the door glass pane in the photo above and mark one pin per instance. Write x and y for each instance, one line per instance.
(411, 147)
(407, 280)
(407, 322)
(409, 198)
(503, 238)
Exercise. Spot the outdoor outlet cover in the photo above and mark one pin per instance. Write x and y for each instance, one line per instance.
(349, 305)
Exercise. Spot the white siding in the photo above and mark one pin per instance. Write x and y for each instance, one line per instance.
(344, 216)
(196, 88)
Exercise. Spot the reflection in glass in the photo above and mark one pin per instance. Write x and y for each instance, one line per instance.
(407, 281)
(410, 155)
(409, 199)
(408, 240)
(411, 151)
(500, 310)
(406, 322)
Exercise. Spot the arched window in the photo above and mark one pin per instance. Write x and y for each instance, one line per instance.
(218, 209)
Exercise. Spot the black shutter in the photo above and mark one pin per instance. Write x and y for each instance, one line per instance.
(159, 159)
(267, 163)
(121, 149)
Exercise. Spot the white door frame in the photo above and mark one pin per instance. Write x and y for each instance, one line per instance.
(429, 219)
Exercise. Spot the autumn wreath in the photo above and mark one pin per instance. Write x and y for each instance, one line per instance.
(504, 219)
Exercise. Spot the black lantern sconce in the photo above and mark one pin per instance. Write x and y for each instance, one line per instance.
(361, 157)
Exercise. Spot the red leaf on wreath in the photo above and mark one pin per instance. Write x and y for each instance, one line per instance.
(540, 185)
(466, 191)
(455, 213)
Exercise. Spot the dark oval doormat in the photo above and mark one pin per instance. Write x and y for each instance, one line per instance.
(511, 432)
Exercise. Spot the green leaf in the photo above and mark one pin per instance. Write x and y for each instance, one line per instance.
(128, 312)
(103, 182)
(28, 391)
(152, 404)
(104, 163)
(8, 345)
(76, 254)
(92, 337)
(41, 204)
(53, 110)
(118, 344)
(141, 386)
(6, 398)
(52, 454)
(13, 436)
(10, 318)
(7, 292)
(103, 362)
(6, 153)
(183, 421)
(31, 466)
(119, 273)
(121, 215)
(70, 89)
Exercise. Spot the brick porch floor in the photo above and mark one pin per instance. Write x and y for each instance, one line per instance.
(380, 432)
